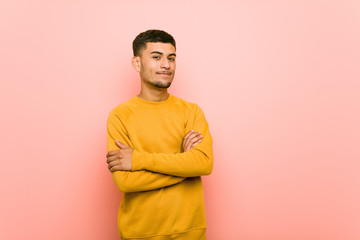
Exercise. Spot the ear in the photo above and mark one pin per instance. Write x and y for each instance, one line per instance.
(135, 62)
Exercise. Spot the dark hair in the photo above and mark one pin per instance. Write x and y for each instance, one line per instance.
(151, 36)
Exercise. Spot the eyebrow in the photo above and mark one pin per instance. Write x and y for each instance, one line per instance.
(160, 53)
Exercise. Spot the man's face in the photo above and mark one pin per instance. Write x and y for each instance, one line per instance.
(157, 64)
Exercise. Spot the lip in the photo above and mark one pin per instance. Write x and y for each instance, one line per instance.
(164, 73)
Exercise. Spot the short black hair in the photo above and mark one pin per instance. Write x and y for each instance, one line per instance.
(151, 36)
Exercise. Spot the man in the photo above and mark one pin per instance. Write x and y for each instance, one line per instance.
(158, 147)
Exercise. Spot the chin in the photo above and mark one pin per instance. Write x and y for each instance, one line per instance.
(159, 84)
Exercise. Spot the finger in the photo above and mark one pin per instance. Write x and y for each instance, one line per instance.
(113, 169)
(120, 145)
(116, 168)
(197, 136)
(191, 131)
(109, 166)
(191, 136)
(195, 141)
(116, 163)
(113, 163)
(194, 144)
(109, 160)
(111, 153)
(113, 158)
(191, 143)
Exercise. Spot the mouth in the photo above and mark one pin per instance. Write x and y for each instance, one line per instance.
(165, 73)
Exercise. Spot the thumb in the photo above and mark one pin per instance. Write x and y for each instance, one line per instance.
(119, 144)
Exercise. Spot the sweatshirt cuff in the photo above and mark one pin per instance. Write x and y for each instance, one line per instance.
(137, 161)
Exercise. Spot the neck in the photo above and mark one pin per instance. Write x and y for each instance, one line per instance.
(154, 94)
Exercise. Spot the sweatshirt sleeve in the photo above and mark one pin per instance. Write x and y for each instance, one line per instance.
(133, 181)
(195, 162)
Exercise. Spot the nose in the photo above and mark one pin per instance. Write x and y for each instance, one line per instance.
(165, 63)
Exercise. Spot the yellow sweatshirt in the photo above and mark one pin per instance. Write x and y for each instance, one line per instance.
(163, 194)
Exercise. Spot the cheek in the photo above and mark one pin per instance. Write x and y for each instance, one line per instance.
(150, 66)
(146, 68)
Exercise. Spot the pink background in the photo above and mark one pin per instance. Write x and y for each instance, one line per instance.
(279, 82)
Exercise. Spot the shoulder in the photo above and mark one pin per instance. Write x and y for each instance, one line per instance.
(191, 110)
(123, 109)
(185, 104)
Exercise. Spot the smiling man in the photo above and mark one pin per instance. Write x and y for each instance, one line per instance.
(159, 146)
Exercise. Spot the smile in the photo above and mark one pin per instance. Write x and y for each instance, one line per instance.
(164, 73)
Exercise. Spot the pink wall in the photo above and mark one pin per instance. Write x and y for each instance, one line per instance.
(279, 82)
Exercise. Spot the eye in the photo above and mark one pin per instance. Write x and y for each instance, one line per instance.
(171, 59)
(156, 57)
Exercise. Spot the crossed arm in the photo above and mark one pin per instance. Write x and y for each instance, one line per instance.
(120, 160)
(119, 164)
(135, 171)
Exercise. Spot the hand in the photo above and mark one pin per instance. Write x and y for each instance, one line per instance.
(120, 160)
(191, 139)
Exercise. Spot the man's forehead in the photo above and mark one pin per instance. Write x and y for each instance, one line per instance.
(166, 48)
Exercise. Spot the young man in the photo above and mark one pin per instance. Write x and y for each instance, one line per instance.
(158, 147)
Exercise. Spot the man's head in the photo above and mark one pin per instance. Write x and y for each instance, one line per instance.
(140, 41)
(154, 58)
